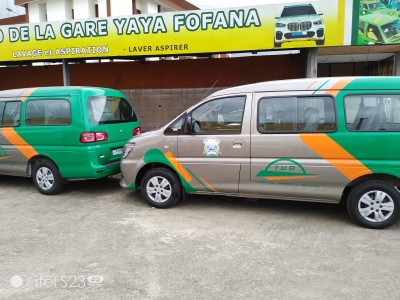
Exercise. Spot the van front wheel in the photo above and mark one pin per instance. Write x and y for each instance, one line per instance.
(46, 178)
(374, 204)
(161, 188)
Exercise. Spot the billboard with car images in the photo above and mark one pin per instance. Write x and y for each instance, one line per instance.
(283, 25)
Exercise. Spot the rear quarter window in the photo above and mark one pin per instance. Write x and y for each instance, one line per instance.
(372, 112)
(48, 112)
(109, 110)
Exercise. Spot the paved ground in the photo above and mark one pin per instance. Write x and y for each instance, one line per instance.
(205, 248)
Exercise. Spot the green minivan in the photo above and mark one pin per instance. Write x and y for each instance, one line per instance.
(55, 134)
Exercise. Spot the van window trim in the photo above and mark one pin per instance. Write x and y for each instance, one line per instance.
(365, 94)
(176, 133)
(298, 96)
(48, 99)
(215, 133)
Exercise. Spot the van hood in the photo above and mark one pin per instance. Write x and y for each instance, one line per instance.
(143, 135)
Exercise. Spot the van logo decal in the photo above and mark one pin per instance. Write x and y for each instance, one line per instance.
(211, 147)
(284, 169)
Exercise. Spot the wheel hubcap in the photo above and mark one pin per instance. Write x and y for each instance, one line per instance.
(376, 206)
(45, 178)
(158, 189)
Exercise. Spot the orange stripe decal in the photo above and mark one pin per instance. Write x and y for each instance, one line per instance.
(174, 161)
(278, 178)
(338, 157)
(22, 146)
(311, 85)
(338, 86)
(27, 94)
(208, 185)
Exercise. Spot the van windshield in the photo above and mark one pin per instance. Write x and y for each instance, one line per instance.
(109, 110)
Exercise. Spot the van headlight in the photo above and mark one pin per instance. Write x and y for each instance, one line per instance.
(128, 148)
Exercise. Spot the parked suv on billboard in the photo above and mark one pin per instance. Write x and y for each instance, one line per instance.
(299, 23)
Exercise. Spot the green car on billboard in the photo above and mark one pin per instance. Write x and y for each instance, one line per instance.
(374, 7)
(378, 29)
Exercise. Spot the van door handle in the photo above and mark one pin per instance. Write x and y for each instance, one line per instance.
(238, 144)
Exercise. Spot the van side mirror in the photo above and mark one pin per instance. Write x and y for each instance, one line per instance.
(188, 127)
(191, 125)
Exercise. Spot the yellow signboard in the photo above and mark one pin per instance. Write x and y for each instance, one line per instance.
(290, 25)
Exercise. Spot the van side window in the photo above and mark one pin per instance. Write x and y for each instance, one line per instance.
(372, 112)
(48, 112)
(220, 116)
(11, 114)
(296, 114)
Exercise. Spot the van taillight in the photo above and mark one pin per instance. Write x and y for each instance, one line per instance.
(137, 130)
(91, 137)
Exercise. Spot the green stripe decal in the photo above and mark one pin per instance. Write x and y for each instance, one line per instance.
(191, 173)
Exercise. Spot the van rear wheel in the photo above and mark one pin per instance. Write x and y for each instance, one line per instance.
(374, 204)
(161, 188)
(46, 178)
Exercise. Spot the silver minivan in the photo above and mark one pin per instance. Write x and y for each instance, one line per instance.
(323, 140)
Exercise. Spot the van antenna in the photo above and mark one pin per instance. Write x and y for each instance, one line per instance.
(208, 90)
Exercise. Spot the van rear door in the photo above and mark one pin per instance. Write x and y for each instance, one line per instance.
(112, 121)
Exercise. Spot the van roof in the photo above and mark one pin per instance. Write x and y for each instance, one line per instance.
(313, 84)
(61, 90)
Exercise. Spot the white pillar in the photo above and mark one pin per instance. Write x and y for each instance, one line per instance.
(312, 63)
(66, 77)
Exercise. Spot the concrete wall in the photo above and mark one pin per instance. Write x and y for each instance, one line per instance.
(147, 7)
(102, 8)
(59, 10)
(62, 9)
(84, 9)
(121, 8)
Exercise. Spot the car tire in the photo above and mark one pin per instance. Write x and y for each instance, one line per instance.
(161, 188)
(320, 43)
(47, 178)
(277, 45)
(374, 204)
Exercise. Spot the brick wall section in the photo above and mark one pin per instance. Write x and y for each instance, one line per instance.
(156, 107)
(165, 74)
